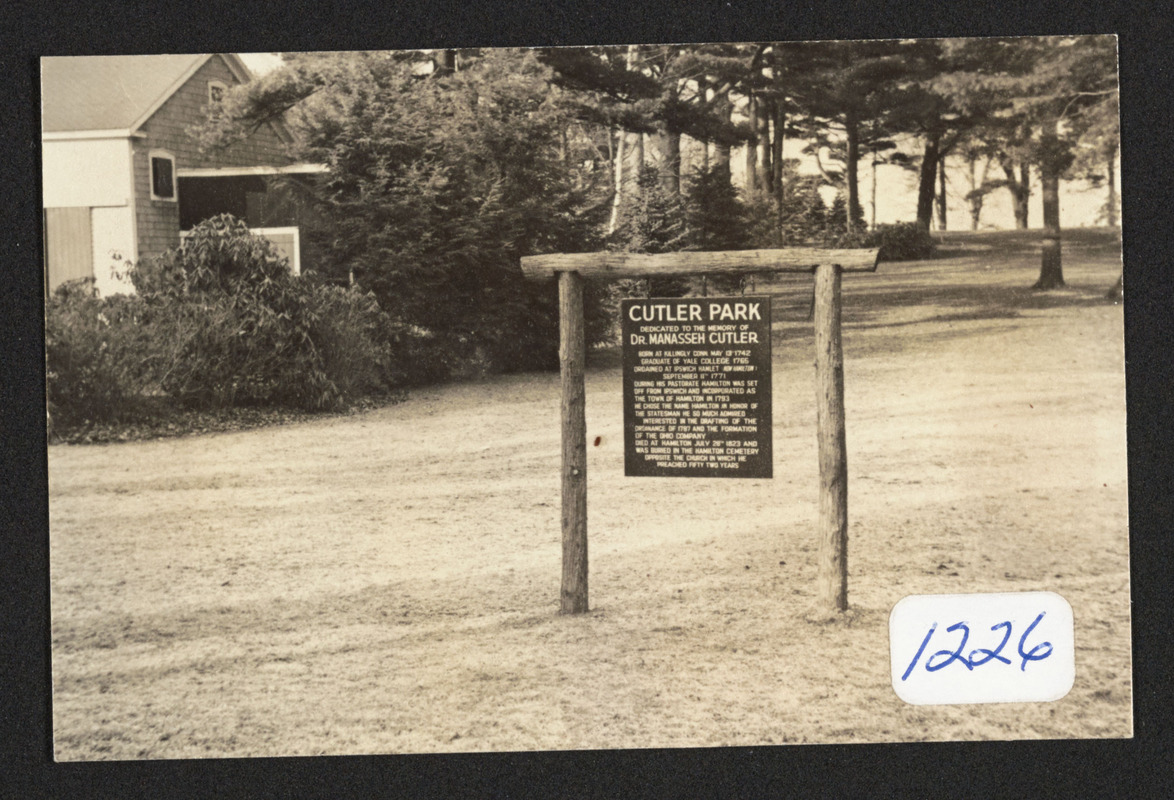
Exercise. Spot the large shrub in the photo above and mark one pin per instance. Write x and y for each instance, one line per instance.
(655, 221)
(219, 256)
(361, 351)
(801, 218)
(241, 330)
(903, 241)
(99, 358)
(708, 215)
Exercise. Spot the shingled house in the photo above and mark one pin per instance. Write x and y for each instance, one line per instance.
(123, 174)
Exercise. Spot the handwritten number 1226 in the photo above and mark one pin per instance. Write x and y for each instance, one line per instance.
(979, 656)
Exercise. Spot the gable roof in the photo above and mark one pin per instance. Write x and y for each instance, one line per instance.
(114, 93)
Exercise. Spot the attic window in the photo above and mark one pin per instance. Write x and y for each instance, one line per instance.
(162, 175)
(216, 91)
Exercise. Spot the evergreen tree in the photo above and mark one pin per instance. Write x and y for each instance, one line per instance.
(647, 98)
(714, 213)
(439, 182)
(1056, 92)
(717, 220)
(844, 89)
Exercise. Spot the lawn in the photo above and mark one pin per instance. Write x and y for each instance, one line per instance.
(388, 582)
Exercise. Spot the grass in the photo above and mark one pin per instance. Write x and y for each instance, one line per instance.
(387, 582)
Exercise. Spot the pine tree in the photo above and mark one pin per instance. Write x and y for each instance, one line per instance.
(439, 182)
(844, 90)
(1054, 91)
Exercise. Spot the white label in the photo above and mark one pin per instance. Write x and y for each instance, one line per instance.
(982, 648)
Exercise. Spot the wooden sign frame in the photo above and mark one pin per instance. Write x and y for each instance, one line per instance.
(827, 266)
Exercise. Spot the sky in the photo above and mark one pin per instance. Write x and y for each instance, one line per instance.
(260, 63)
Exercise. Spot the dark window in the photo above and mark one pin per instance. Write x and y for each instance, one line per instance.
(216, 91)
(162, 177)
(200, 198)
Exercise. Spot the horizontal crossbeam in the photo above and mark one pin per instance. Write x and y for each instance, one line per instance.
(632, 265)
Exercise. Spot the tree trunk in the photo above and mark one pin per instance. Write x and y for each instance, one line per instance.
(1020, 187)
(925, 184)
(852, 171)
(624, 174)
(942, 193)
(1111, 207)
(778, 138)
(751, 147)
(762, 126)
(721, 155)
(872, 219)
(703, 98)
(1022, 220)
(721, 152)
(780, 125)
(1051, 273)
(670, 176)
(617, 200)
(629, 159)
(636, 140)
(975, 198)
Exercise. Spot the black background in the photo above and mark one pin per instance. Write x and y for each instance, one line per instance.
(1141, 767)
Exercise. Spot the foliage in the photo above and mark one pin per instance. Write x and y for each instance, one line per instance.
(230, 316)
(220, 255)
(438, 186)
(838, 216)
(323, 350)
(234, 327)
(98, 358)
(904, 241)
(714, 212)
(849, 97)
(662, 90)
(447, 168)
(710, 216)
(354, 341)
(656, 221)
(717, 220)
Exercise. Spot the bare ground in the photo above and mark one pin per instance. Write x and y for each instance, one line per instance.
(388, 582)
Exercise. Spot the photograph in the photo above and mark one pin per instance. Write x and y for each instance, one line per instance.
(616, 397)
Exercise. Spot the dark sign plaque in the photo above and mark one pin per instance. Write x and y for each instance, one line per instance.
(697, 387)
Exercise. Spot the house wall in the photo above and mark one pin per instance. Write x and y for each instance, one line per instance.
(111, 230)
(89, 219)
(170, 129)
(85, 172)
(67, 245)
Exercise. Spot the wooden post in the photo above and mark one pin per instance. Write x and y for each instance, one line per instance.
(832, 590)
(572, 352)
